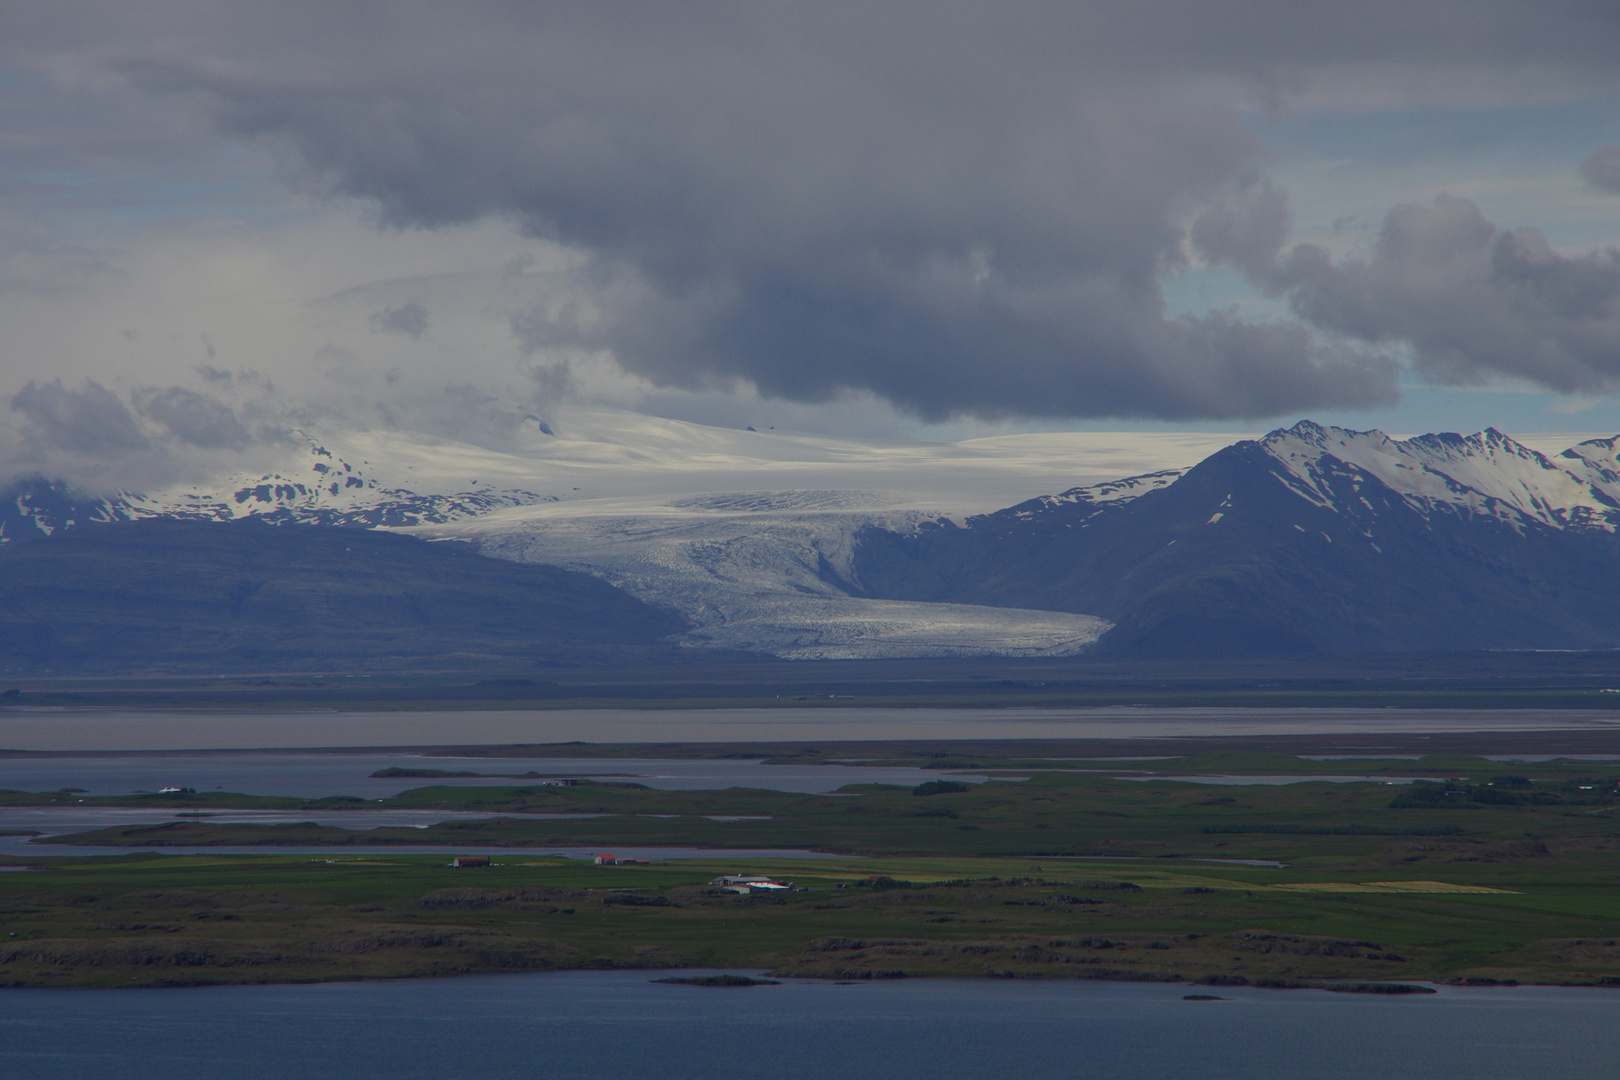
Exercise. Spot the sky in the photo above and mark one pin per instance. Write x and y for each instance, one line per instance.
(221, 223)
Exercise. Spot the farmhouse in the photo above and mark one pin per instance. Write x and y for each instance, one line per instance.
(462, 861)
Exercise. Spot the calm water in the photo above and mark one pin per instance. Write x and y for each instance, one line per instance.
(620, 1025)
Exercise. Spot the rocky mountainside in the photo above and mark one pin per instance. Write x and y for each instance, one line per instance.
(1311, 540)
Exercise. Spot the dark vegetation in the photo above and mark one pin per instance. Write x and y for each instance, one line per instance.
(1072, 872)
(157, 920)
(172, 596)
(940, 787)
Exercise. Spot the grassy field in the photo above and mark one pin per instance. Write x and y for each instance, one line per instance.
(1498, 872)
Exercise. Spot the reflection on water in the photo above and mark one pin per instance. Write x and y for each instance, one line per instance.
(599, 1025)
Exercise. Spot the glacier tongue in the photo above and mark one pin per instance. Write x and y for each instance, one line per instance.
(769, 572)
(748, 533)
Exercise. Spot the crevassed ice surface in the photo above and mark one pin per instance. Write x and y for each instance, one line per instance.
(770, 577)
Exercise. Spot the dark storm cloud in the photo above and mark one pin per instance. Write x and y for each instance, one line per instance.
(1602, 169)
(1246, 232)
(964, 207)
(1471, 299)
(89, 420)
(196, 419)
(409, 319)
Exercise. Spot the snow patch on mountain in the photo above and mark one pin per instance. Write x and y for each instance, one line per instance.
(1487, 474)
(1112, 492)
(314, 481)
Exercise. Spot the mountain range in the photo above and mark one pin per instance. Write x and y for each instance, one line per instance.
(1309, 540)
(744, 533)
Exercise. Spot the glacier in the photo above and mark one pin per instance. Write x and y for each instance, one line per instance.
(751, 534)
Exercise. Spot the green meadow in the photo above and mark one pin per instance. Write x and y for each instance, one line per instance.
(1490, 873)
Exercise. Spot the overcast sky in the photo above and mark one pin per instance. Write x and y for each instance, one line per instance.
(218, 222)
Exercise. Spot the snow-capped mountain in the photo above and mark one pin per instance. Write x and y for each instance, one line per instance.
(613, 463)
(749, 534)
(1310, 539)
(311, 484)
(1486, 474)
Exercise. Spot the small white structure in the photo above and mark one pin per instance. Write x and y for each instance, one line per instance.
(750, 883)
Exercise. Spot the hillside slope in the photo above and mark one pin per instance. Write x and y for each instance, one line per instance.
(167, 595)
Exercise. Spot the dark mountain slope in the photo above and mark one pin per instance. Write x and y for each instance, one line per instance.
(176, 595)
(1232, 560)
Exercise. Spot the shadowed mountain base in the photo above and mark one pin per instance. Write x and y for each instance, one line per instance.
(166, 596)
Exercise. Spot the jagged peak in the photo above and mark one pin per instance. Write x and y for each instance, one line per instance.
(1326, 435)
(1488, 472)
(1311, 431)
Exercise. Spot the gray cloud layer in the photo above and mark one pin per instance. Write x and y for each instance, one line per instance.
(196, 419)
(90, 436)
(90, 420)
(410, 319)
(1471, 299)
(1602, 169)
(966, 208)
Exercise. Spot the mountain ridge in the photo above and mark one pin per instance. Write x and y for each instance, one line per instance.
(1281, 546)
(1309, 539)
